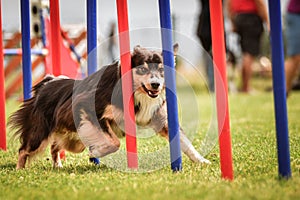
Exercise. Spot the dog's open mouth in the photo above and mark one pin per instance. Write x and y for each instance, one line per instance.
(151, 93)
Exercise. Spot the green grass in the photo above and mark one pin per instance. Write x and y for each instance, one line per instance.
(254, 156)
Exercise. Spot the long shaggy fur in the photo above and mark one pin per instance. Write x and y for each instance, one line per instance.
(74, 114)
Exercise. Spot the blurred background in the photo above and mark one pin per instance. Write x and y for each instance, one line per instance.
(144, 25)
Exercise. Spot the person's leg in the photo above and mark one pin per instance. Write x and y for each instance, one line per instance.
(210, 73)
(292, 65)
(250, 31)
(247, 62)
(293, 51)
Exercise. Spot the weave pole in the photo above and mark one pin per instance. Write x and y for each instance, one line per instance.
(91, 6)
(26, 49)
(170, 79)
(128, 99)
(55, 37)
(55, 44)
(279, 90)
(219, 57)
(2, 90)
(91, 12)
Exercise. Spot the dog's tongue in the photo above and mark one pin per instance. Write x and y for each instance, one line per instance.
(152, 93)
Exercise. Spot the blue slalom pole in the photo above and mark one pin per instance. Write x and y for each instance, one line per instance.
(26, 57)
(91, 6)
(170, 78)
(92, 35)
(279, 90)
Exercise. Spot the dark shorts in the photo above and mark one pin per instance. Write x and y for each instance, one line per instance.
(250, 28)
(293, 34)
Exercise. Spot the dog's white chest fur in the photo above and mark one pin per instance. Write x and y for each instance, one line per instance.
(147, 107)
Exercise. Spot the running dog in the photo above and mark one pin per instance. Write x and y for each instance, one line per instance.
(74, 114)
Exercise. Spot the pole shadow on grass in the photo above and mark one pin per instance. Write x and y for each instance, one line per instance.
(8, 166)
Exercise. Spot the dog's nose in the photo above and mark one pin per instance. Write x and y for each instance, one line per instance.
(155, 86)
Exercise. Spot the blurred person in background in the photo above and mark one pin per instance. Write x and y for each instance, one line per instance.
(112, 45)
(292, 62)
(247, 17)
(204, 34)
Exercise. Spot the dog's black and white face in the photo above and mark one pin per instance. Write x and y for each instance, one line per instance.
(148, 72)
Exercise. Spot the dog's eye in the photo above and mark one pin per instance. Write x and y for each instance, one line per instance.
(142, 70)
(161, 70)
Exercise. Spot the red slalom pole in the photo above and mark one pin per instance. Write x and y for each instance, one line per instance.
(219, 57)
(2, 90)
(55, 37)
(55, 43)
(128, 99)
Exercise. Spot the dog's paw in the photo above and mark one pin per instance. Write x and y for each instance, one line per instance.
(202, 160)
(57, 165)
(195, 156)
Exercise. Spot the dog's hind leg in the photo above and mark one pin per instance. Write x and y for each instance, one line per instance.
(55, 155)
(23, 155)
(27, 151)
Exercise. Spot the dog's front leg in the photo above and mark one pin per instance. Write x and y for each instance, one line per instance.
(186, 147)
(100, 142)
(159, 123)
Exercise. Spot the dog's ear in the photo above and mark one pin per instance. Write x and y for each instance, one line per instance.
(136, 49)
(175, 49)
(138, 56)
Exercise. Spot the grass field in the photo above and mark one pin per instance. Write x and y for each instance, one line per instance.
(254, 156)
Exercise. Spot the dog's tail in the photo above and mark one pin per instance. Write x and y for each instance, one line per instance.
(26, 121)
(19, 118)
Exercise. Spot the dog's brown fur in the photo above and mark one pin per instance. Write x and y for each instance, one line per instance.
(71, 114)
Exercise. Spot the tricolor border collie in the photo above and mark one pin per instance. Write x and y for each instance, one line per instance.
(75, 114)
